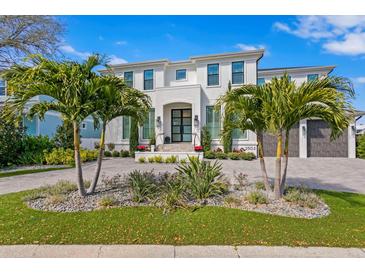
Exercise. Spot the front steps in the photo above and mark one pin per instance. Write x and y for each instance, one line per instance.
(177, 147)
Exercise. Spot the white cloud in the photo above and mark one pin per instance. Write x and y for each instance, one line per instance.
(246, 47)
(360, 80)
(121, 43)
(70, 50)
(342, 35)
(115, 60)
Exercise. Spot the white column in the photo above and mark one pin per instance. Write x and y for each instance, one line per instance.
(303, 138)
(351, 140)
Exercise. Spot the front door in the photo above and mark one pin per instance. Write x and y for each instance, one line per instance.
(181, 125)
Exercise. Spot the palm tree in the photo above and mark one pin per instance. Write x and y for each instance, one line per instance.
(71, 89)
(326, 98)
(116, 99)
(244, 106)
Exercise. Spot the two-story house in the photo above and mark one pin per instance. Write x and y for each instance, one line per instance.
(183, 95)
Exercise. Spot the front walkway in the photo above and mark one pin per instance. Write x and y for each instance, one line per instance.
(169, 251)
(339, 174)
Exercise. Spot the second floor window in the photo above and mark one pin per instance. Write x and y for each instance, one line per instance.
(237, 72)
(312, 77)
(181, 74)
(2, 87)
(148, 79)
(128, 78)
(213, 74)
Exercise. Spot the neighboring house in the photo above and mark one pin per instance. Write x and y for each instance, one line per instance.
(183, 94)
(360, 129)
(51, 121)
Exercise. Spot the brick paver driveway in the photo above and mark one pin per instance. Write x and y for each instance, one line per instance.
(326, 173)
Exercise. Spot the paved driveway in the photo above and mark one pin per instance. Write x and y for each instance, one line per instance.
(325, 173)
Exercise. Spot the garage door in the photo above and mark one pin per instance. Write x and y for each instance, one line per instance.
(270, 143)
(319, 143)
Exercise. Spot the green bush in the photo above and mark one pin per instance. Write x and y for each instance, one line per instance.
(206, 139)
(64, 136)
(34, 149)
(124, 153)
(256, 197)
(115, 153)
(107, 201)
(360, 146)
(158, 159)
(301, 197)
(151, 159)
(221, 155)
(209, 154)
(142, 185)
(133, 137)
(234, 156)
(202, 177)
(142, 159)
(260, 186)
(170, 160)
(172, 191)
(248, 156)
(107, 153)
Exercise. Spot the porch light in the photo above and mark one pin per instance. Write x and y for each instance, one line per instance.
(158, 121)
(196, 121)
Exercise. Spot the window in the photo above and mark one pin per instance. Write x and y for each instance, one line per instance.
(126, 127)
(128, 78)
(260, 81)
(2, 87)
(213, 75)
(213, 122)
(84, 125)
(181, 74)
(148, 79)
(149, 125)
(239, 134)
(312, 77)
(237, 72)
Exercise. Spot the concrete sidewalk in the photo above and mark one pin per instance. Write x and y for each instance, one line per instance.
(169, 251)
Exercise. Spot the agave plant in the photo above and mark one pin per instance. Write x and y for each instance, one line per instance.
(202, 177)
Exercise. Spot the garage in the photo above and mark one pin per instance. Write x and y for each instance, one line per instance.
(269, 142)
(319, 143)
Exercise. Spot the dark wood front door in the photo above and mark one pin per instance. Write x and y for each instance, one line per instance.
(181, 125)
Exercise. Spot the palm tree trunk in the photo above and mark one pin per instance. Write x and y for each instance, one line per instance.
(80, 181)
(279, 149)
(99, 160)
(286, 160)
(262, 161)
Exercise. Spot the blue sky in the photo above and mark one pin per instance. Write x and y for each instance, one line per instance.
(288, 40)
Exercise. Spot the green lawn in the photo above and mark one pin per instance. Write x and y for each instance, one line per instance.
(210, 225)
(29, 171)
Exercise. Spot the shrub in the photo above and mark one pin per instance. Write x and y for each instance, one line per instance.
(256, 197)
(61, 156)
(260, 186)
(115, 153)
(241, 179)
(133, 137)
(232, 201)
(124, 153)
(183, 161)
(198, 148)
(158, 159)
(151, 159)
(142, 185)
(209, 155)
(247, 156)
(202, 177)
(107, 153)
(360, 146)
(111, 146)
(142, 159)
(141, 148)
(206, 138)
(34, 149)
(302, 197)
(55, 199)
(112, 182)
(172, 190)
(221, 155)
(61, 187)
(233, 156)
(170, 160)
(107, 201)
(64, 136)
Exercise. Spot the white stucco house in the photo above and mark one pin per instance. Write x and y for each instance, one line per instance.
(183, 94)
